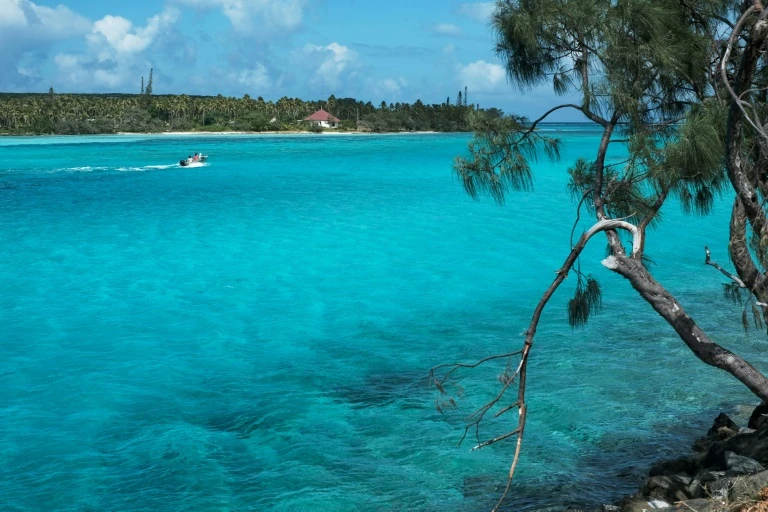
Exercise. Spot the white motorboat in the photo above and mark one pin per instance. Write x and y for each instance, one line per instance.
(194, 161)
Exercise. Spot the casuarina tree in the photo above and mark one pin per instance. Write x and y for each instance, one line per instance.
(682, 85)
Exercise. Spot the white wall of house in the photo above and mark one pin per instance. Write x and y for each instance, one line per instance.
(324, 124)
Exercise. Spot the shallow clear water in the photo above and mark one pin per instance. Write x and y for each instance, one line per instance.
(256, 334)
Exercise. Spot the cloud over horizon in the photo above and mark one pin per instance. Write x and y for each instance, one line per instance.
(270, 48)
(115, 52)
(483, 77)
(446, 29)
(27, 34)
(478, 11)
(251, 17)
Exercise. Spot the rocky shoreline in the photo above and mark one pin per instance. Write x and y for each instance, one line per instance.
(727, 471)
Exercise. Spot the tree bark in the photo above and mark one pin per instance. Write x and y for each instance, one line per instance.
(738, 249)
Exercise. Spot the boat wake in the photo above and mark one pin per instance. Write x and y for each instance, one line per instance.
(194, 164)
(145, 168)
(142, 168)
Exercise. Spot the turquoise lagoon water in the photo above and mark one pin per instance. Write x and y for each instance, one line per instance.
(256, 334)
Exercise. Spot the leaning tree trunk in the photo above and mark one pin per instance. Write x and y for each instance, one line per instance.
(632, 269)
(747, 177)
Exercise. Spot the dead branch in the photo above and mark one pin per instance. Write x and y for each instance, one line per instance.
(520, 372)
(736, 279)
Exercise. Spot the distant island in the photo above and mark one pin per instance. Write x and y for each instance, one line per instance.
(73, 114)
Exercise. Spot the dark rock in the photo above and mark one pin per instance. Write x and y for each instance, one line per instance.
(699, 505)
(643, 504)
(706, 476)
(669, 488)
(739, 487)
(759, 418)
(739, 465)
(668, 467)
(696, 489)
(753, 445)
(722, 421)
(722, 429)
(746, 487)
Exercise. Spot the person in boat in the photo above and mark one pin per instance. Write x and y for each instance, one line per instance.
(195, 158)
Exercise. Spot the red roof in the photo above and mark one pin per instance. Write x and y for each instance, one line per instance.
(322, 115)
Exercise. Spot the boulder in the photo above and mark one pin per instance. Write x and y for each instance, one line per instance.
(643, 504)
(669, 488)
(738, 487)
(740, 465)
(753, 445)
(687, 465)
(722, 429)
(706, 476)
(747, 487)
(699, 505)
(722, 421)
(759, 418)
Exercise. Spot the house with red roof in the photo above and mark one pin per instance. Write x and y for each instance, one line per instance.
(323, 119)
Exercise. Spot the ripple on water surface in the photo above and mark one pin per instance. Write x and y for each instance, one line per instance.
(256, 334)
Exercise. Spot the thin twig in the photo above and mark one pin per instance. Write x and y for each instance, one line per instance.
(521, 371)
(736, 279)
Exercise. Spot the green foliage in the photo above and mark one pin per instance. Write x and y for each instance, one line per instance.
(586, 302)
(642, 66)
(692, 163)
(80, 113)
(500, 155)
(735, 293)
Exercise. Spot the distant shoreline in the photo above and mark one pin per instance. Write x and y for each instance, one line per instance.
(291, 132)
(239, 133)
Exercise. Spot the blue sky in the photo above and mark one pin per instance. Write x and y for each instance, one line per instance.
(398, 50)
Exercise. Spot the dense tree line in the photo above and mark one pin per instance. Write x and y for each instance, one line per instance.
(54, 113)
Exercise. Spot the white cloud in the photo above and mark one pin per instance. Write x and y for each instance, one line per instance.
(392, 88)
(122, 37)
(254, 17)
(115, 54)
(27, 31)
(39, 22)
(446, 29)
(482, 76)
(449, 49)
(478, 11)
(11, 14)
(256, 78)
(334, 59)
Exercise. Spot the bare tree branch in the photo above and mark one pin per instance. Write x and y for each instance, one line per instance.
(520, 373)
(732, 277)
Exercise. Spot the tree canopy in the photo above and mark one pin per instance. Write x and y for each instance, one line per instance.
(148, 112)
(680, 83)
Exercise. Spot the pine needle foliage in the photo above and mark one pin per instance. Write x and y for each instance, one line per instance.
(649, 74)
(640, 62)
(644, 67)
(501, 156)
(586, 301)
